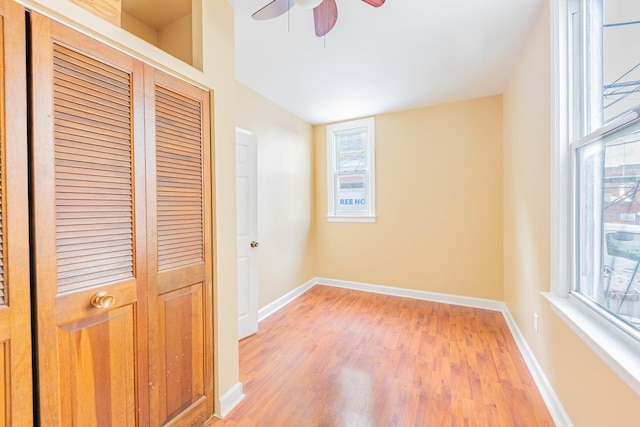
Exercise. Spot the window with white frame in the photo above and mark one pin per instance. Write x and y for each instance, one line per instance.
(604, 133)
(351, 171)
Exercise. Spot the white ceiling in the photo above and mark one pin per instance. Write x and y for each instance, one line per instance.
(404, 54)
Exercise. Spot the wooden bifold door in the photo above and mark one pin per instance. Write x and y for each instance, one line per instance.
(15, 319)
(121, 232)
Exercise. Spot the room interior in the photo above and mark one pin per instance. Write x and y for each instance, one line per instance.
(463, 189)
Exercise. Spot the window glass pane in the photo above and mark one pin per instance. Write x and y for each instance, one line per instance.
(351, 194)
(620, 56)
(588, 199)
(351, 151)
(608, 229)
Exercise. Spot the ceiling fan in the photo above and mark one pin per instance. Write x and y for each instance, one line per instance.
(325, 12)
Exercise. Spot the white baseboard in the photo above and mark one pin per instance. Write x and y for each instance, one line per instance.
(486, 304)
(230, 399)
(559, 415)
(276, 305)
(556, 409)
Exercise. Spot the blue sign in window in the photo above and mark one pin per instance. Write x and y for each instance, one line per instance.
(353, 202)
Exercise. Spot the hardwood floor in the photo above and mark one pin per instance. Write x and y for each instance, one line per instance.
(344, 358)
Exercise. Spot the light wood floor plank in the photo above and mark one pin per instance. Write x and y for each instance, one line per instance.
(345, 358)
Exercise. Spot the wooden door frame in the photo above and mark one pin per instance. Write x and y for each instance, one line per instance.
(16, 314)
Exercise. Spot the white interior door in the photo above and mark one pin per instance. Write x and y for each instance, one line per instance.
(247, 219)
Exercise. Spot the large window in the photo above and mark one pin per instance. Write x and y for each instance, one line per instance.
(350, 171)
(604, 131)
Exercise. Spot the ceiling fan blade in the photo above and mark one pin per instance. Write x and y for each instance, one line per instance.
(325, 16)
(273, 9)
(374, 3)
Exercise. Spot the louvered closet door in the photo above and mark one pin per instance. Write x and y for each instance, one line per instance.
(15, 330)
(88, 154)
(179, 226)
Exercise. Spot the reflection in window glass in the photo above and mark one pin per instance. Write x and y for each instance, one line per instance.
(352, 151)
(608, 223)
(620, 56)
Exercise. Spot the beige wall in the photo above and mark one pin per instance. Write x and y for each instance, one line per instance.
(438, 203)
(285, 194)
(218, 61)
(175, 38)
(139, 28)
(218, 74)
(590, 392)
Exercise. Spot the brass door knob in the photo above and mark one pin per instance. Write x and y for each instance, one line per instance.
(254, 244)
(103, 300)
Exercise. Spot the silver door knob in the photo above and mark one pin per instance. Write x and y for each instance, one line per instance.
(254, 244)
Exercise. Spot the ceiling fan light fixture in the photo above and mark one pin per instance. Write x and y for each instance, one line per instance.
(325, 12)
(308, 4)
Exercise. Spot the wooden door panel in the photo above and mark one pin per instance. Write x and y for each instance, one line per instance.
(173, 279)
(182, 350)
(179, 227)
(89, 209)
(98, 369)
(15, 315)
(5, 384)
(76, 305)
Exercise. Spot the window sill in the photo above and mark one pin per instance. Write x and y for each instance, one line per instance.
(334, 218)
(620, 351)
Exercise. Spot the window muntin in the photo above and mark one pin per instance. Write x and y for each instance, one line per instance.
(350, 168)
(605, 86)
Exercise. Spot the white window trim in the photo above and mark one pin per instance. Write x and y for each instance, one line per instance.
(369, 123)
(351, 218)
(618, 349)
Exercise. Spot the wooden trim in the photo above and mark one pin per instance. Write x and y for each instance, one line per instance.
(43, 220)
(17, 275)
(111, 10)
(141, 271)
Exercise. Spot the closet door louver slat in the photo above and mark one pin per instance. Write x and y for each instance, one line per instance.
(180, 195)
(94, 190)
